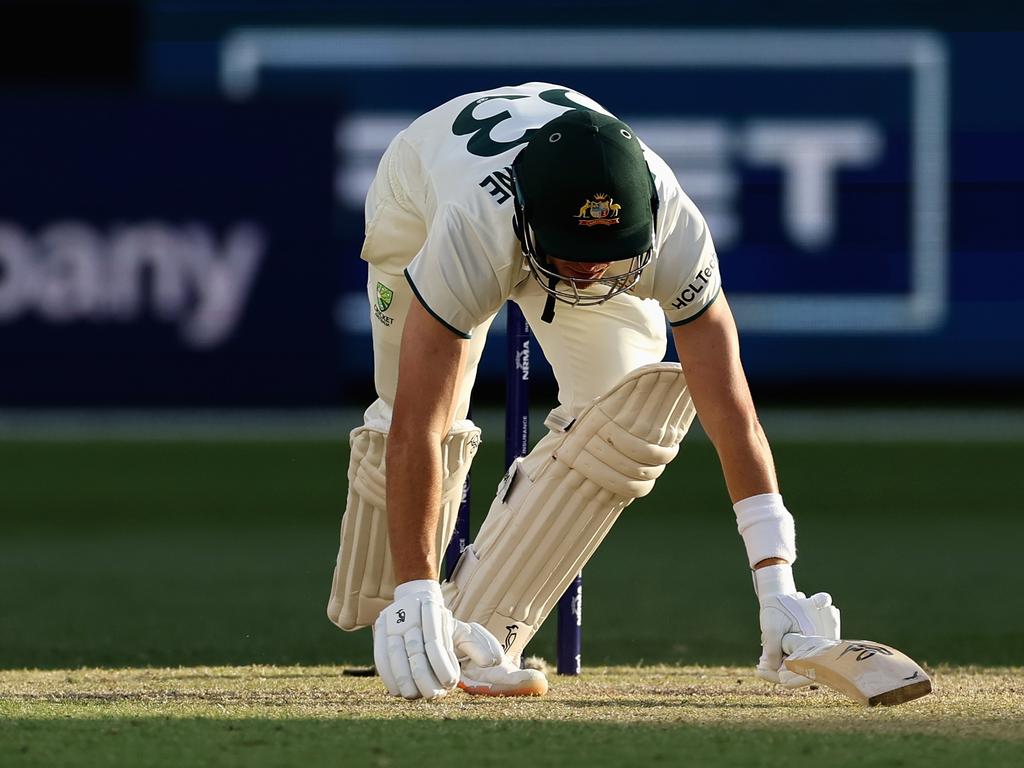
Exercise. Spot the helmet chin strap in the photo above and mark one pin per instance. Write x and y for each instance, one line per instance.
(549, 306)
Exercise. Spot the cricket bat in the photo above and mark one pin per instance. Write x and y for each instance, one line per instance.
(868, 672)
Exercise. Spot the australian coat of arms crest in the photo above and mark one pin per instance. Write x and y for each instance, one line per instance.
(599, 210)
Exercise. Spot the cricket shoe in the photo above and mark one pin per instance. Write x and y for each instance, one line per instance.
(504, 679)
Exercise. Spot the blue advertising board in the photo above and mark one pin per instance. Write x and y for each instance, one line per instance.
(863, 188)
(831, 165)
(166, 252)
(819, 159)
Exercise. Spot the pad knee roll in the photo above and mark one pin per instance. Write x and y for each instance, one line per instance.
(541, 530)
(364, 577)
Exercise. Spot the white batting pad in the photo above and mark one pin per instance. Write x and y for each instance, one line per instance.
(541, 530)
(364, 577)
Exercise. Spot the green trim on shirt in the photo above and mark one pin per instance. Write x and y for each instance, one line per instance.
(694, 317)
(434, 314)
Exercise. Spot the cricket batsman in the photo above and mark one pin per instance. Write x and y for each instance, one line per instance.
(536, 194)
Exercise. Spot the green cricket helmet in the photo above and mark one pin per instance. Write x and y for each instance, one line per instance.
(584, 193)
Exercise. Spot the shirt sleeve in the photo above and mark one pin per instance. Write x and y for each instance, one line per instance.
(687, 277)
(452, 276)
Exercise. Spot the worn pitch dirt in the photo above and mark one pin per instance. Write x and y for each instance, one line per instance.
(967, 702)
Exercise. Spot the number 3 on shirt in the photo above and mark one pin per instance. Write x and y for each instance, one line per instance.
(535, 111)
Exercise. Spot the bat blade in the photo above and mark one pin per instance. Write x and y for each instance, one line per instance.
(866, 671)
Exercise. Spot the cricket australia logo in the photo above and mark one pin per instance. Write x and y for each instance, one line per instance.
(601, 210)
(384, 297)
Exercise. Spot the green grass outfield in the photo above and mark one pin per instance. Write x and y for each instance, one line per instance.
(127, 555)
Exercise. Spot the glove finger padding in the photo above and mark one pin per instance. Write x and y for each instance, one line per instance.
(780, 674)
(765, 670)
(776, 621)
(380, 657)
(782, 614)
(412, 643)
(476, 644)
(783, 677)
(825, 616)
(422, 675)
(792, 679)
(400, 667)
(437, 639)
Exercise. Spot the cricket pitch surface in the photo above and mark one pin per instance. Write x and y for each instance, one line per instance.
(706, 716)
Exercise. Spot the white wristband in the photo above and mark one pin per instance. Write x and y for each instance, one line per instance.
(774, 580)
(767, 528)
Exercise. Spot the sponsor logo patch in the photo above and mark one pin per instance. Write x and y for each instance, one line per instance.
(384, 298)
(700, 281)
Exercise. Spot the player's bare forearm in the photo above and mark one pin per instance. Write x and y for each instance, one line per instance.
(709, 353)
(429, 372)
(744, 453)
(414, 496)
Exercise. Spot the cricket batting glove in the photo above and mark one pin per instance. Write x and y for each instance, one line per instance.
(413, 648)
(784, 610)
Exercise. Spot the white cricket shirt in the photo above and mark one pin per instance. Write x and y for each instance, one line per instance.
(461, 188)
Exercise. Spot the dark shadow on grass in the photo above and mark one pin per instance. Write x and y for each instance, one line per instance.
(144, 742)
